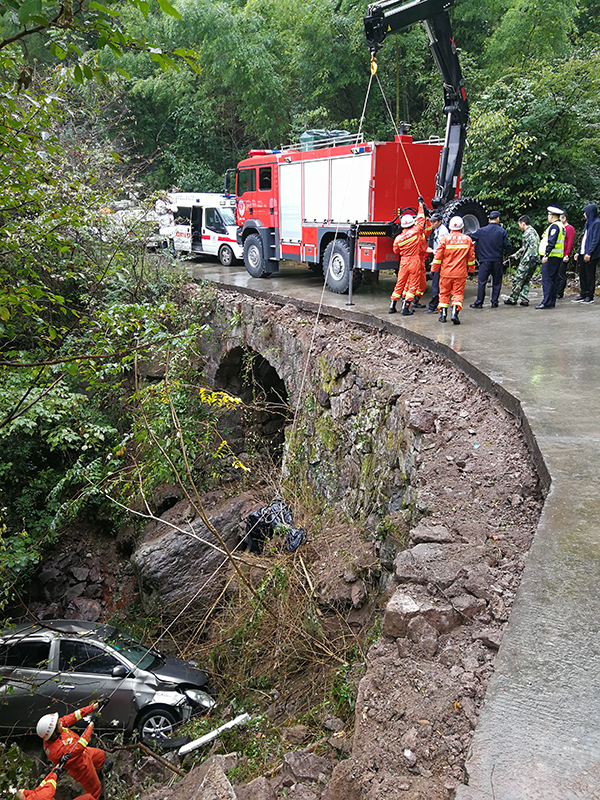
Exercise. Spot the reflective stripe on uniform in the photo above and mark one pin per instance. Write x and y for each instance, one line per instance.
(78, 714)
(403, 242)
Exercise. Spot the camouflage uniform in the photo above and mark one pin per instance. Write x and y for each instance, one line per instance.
(530, 259)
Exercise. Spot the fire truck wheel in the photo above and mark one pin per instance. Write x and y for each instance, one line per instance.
(473, 212)
(336, 266)
(253, 256)
(226, 255)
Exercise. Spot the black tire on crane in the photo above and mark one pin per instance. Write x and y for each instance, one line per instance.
(254, 258)
(473, 212)
(336, 267)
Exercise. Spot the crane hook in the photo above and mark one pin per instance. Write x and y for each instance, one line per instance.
(373, 64)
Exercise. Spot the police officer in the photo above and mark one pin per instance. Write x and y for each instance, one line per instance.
(552, 251)
(490, 243)
(439, 231)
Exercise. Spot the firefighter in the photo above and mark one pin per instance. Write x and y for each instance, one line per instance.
(454, 258)
(552, 251)
(86, 762)
(408, 246)
(47, 788)
(422, 286)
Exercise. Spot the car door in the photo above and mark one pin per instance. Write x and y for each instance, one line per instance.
(25, 683)
(212, 229)
(87, 673)
(183, 229)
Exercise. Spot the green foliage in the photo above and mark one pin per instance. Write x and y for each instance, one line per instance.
(536, 140)
(15, 768)
(531, 31)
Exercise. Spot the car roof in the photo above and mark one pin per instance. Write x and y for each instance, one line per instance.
(55, 627)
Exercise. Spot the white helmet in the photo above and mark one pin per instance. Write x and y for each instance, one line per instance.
(407, 220)
(456, 224)
(46, 726)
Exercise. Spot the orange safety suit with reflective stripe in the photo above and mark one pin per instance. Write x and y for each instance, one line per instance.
(408, 246)
(47, 789)
(454, 258)
(86, 762)
(427, 229)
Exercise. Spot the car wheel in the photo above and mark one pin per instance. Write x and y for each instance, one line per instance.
(253, 256)
(156, 724)
(226, 255)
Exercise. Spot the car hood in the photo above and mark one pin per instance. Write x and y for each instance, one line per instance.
(174, 670)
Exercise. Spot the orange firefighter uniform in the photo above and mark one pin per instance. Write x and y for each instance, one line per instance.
(86, 762)
(454, 258)
(47, 789)
(408, 246)
(427, 230)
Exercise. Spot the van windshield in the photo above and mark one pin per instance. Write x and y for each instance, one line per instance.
(143, 657)
(228, 216)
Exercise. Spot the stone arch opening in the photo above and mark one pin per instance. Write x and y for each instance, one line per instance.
(260, 428)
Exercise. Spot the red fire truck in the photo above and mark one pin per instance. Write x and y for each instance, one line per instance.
(336, 205)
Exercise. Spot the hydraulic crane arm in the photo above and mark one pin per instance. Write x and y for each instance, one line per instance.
(389, 16)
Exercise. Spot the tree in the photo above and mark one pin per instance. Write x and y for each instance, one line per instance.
(531, 31)
(535, 140)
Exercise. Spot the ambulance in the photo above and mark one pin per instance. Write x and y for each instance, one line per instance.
(202, 224)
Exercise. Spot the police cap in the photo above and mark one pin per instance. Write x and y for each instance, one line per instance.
(555, 210)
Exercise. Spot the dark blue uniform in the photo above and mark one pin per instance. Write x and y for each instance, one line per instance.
(490, 244)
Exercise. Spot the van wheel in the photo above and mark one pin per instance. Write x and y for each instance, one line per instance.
(226, 255)
(253, 256)
(156, 724)
(336, 267)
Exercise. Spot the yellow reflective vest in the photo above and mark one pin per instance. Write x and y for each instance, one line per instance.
(559, 248)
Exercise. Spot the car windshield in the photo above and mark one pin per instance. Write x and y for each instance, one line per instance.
(228, 216)
(143, 657)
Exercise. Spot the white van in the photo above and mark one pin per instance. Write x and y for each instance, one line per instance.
(202, 223)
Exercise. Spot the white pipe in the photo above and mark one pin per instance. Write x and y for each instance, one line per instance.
(208, 737)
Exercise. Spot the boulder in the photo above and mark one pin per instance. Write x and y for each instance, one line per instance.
(259, 789)
(215, 785)
(177, 554)
(304, 767)
(300, 791)
(436, 563)
(84, 608)
(405, 606)
(426, 532)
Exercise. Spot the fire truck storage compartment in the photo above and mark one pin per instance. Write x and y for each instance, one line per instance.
(331, 189)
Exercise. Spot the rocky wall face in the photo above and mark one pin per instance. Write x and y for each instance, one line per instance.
(354, 440)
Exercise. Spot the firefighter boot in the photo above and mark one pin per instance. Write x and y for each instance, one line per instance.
(443, 315)
(392, 309)
(406, 309)
(454, 317)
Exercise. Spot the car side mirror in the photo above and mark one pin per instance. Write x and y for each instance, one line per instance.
(120, 671)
